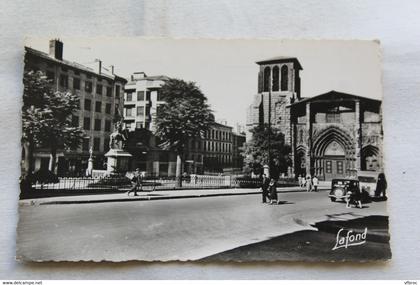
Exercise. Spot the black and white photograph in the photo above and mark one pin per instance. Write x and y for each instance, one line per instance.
(204, 150)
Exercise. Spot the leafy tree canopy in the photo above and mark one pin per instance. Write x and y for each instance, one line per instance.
(185, 115)
(255, 152)
(46, 114)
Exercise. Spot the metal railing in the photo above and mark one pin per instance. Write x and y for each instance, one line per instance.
(100, 184)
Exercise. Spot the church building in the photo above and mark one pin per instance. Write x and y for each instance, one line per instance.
(332, 135)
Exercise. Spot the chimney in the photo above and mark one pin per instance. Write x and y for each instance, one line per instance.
(56, 49)
(112, 70)
(99, 65)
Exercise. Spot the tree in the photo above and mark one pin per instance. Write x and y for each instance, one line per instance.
(46, 118)
(185, 115)
(256, 151)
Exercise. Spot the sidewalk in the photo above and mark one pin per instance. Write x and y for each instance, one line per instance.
(152, 195)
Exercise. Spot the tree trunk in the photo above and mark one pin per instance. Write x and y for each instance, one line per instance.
(28, 164)
(53, 159)
(178, 172)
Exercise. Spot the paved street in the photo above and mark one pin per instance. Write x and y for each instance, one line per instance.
(181, 229)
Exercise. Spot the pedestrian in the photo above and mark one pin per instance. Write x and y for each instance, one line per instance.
(354, 195)
(308, 183)
(381, 186)
(264, 188)
(315, 183)
(273, 191)
(136, 182)
(303, 182)
(300, 180)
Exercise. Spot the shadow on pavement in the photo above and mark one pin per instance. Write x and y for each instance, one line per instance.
(317, 245)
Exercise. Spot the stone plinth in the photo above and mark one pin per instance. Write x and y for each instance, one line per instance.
(118, 160)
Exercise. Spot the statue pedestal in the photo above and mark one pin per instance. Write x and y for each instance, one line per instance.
(118, 160)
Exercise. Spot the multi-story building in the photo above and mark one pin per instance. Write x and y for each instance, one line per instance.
(217, 148)
(142, 101)
(211, 154)
(100, 94)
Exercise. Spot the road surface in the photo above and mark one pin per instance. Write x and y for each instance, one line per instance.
(181, 229)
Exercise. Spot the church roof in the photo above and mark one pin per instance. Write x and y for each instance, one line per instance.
(334, 96)
(281, 59)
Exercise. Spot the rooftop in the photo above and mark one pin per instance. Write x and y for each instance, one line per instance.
(281, 59)
(72, 64)
(337, 96)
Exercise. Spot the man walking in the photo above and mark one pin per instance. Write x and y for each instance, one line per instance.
(136, 181)
(265, 184)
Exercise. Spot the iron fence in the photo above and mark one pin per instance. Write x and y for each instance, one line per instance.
(101, 184)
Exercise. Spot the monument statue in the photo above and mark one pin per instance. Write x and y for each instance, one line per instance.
(118, 139)
(118, 157)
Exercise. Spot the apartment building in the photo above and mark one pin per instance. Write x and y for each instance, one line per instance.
(100, 91)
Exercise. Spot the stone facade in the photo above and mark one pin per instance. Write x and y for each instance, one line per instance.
(100, 92)
(336, 134)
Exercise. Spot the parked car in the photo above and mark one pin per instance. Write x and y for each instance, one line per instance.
(341, 187)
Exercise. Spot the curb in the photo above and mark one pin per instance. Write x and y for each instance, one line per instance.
(151, 198)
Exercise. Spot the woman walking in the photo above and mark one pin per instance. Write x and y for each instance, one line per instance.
(273, 191)
(308, 183)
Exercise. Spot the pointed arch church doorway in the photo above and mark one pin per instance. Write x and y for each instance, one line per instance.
(334, 161)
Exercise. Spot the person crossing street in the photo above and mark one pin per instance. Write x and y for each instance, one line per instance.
(136, 182)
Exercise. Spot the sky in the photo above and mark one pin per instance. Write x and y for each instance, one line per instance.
(225, 70)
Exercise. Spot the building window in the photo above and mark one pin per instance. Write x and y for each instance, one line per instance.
(86, 123)
(267, 73)
(117, 91)
(333, 118)
(140, 111)
(284, 78)
(130, 96)
(108, 108)
(147, 95)
(96, 143)
(64, 81)
(106, 144)
(97, 124)
(129, 112)
(88, 86)
(75, 121)
(98, 106)
(99, 89)
(108, 91)
(128, 125)
(139, 125)
(140, 95)
(159, 96)
(50, 75)
(276, 76)
(147, 111)
(328, 166)
(339, 167)
(88, 104)
(107, 125)
(85, 144)
(76, 83)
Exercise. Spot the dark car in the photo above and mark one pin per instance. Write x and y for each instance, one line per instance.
(341, 187)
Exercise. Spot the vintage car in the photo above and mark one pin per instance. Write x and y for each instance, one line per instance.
(340, 188)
